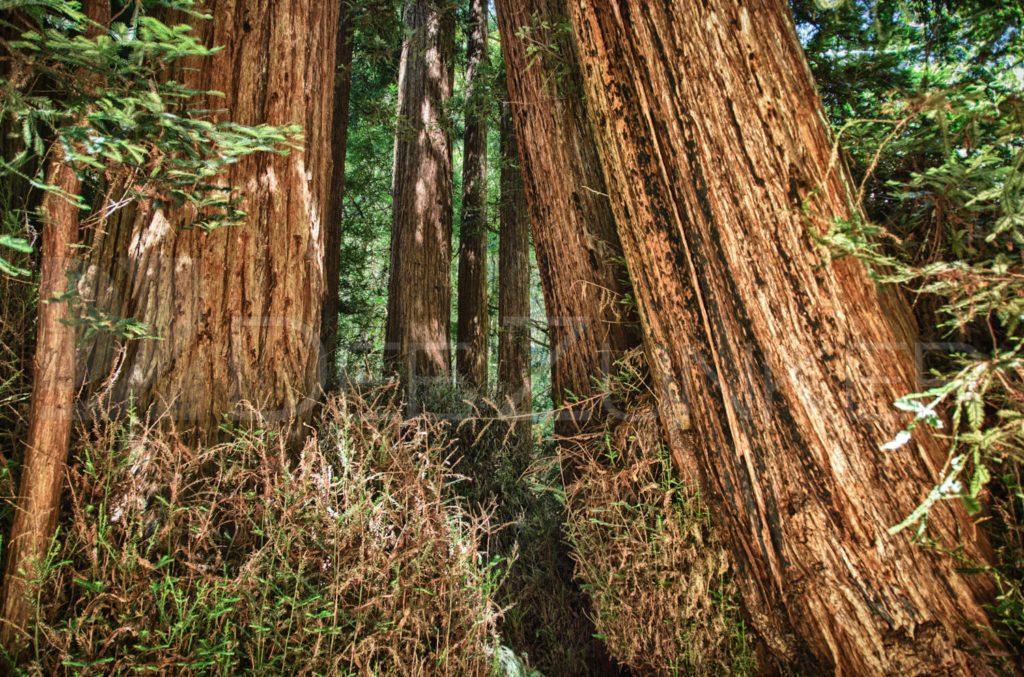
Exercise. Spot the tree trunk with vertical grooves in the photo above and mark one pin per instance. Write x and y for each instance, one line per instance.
(712, 137)
(51, 409)
(471, 332)
(418, 332)
(53, 389)
(577, 248)
(514, 382)
(238, 308)
(336, 197)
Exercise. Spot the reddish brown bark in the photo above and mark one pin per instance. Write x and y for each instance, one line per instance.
(587, 295)
(418, 335)
(53, 388)
(712, 137)
(51, 409)
(514, 378)
(336, 196)
(238, 308)
(473, 313)
(574, 234)
(515, 391)
(98, 12)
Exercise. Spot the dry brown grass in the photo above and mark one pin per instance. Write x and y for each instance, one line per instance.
(518, 484)
(657, 574)
(348, 557)
(17, 317)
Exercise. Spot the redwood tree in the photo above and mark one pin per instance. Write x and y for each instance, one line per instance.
(237, 308)
(52, 404)
(578, 254)
(336, 196)
(717, 156)
(514, 380)
(53, 382)
(417, 334)
(473, 313)
(577, 248)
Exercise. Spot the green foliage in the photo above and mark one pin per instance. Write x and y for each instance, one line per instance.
(131, 132)
(927, 99)
(366, 218)
(967, 206)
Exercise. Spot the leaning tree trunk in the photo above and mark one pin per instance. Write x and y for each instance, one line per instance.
(713, 139)
(50, 413)
(574, 236)
(417, 335)
(585, 286)
(471, 334)
(238, 308)
(336, 197)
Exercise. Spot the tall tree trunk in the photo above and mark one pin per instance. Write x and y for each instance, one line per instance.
(514, 382)
(574, 234)
(514, 379)
(418, 332)
(336, 197)
(238, 308)
(712, 137)
(471, 335)
(53, 388)
(50, 413)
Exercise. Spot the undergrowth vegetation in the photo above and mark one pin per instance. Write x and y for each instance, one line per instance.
(16, 311)
(657, 575)
(516, 481)
(350, 556)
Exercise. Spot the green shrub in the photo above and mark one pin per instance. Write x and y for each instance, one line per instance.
(349, 557)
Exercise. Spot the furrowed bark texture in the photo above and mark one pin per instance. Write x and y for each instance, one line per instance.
(473, 314)
(712, 135)
(417, 334)
(574, 234)
(53, 389)
(238, 309)
(514, 379)
(336, 197)
(51, 408)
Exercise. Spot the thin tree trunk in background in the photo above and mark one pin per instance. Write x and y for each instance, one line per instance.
(514, 382)
(50, 413)
(336, 197)
(473, 313)
(578, 252)
(238, 308)
(418, 333)
(712, 137)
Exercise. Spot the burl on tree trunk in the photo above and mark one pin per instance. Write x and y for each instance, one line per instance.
(713, 140)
